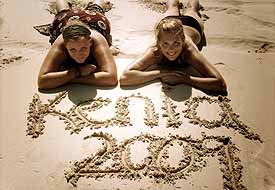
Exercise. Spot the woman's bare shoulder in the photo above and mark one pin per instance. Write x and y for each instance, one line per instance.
(151, 56)
(57, 52)
(97, 37)
(58, 45)
(190, 47)
(153, 52)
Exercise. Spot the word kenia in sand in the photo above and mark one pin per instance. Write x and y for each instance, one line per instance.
(77, 117)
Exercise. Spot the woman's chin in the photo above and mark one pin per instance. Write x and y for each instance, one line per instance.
(80, 61)
(171, 58)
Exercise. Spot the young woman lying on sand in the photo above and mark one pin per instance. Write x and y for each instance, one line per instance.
(177, 41)
(80, 51)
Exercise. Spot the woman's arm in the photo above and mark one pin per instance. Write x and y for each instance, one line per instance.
(210, 78)
(142, 70)
(50, 75)
(204, 83)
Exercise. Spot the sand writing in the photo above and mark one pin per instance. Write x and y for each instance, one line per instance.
(76, 118)
(228, 118)
(155, 165)
(173, 117)
(37, 112)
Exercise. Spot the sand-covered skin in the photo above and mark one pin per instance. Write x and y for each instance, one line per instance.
(162, 134)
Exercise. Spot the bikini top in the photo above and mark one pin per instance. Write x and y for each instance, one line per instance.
(179, 62)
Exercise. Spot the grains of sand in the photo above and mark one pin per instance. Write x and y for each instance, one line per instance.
(169, 108)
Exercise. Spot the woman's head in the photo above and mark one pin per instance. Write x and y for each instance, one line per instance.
(77, 40)
(170, 37)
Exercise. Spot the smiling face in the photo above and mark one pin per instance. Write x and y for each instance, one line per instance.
(79, 49)
(170, 37)
(170, 45)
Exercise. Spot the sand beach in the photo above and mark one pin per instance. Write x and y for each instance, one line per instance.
(149, 137)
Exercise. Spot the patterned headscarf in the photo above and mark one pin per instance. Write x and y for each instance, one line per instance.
(75, 31)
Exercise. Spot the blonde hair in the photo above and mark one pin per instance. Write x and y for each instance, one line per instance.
(170, 25)
(75, 29)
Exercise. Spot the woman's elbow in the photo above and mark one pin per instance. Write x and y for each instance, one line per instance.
(123, 80)
(43, 86)
(43, 83)
(112, 80)
(126, 79)
(222, 85)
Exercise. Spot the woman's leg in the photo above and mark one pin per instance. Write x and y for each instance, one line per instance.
(62, 5)
(172, 8)
(192, 9)
(106, 5)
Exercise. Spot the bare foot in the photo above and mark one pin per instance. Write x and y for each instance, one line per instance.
(105, 4)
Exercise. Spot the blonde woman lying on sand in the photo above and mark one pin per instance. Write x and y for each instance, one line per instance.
(177, 38)
(80, 51)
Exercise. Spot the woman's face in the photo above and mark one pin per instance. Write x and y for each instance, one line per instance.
(170, 45)
(79, 49)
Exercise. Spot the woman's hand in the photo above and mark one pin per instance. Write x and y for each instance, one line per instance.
(86, 70)
(174, 78)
